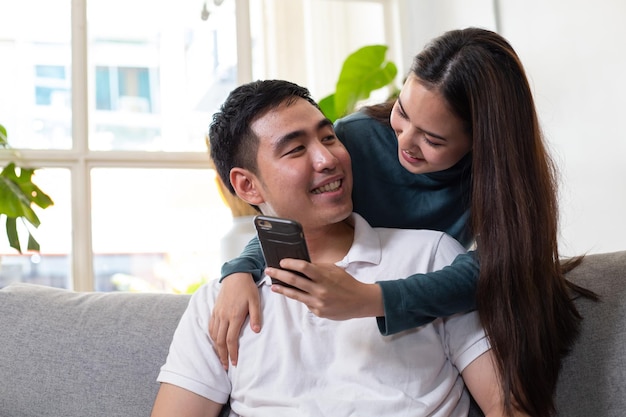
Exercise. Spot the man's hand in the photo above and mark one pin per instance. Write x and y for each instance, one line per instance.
(330, 292)
(238, 297)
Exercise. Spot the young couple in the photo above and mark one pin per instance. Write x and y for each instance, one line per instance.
(466, 134)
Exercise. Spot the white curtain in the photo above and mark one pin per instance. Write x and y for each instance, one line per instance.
(306, 41)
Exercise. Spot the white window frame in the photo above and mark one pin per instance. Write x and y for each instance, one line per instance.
(80, 160)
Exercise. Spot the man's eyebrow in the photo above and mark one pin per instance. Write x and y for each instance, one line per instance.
(324, 123)
(419, 128)
(283, 140)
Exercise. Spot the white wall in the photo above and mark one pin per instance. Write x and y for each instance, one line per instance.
(306, 41)
(574, 52)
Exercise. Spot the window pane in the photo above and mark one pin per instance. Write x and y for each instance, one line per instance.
(156, 229)
(35, 77)
(156, 84)
(52, 265)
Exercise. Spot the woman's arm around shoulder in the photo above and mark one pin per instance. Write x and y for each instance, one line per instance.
(238, 298)
(421, 298)
(398, 305)
(250, 261)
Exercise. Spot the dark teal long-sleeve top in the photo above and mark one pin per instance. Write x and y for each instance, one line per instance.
(387, 195)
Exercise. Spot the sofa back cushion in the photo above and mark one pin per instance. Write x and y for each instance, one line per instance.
(593, 379)
(68, 354)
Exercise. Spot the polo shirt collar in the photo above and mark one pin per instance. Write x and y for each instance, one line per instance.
(366, 246)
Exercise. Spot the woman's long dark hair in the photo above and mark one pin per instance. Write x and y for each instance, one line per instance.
(523, 298)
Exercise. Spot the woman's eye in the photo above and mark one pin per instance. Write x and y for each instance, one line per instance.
(430, 142)
(401, 113)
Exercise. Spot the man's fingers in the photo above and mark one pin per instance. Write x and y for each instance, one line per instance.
(298, 265)
(291, 293)
(302, 284)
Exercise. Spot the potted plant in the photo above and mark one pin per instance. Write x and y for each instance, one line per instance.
(18, 194)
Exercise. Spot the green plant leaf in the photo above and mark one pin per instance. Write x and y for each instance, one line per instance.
(32, 243)
(4, 143)
(194, 287)
(17, 194)
(327, 105)
(363, 71)
(13, 202)
(12, 236)
(30, 190)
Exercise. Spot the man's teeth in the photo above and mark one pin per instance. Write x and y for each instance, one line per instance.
(328, 187)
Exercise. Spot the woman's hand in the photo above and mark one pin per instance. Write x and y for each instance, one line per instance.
(330, 292)
(238, 297)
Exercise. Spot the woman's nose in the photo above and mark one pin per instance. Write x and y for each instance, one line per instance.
(404, 137)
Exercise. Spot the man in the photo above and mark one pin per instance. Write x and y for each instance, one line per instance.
(278, 152)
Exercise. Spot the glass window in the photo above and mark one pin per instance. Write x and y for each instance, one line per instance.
(156, 229)
(155, 85)
(118, 126)
(35, 76)
(131, 92)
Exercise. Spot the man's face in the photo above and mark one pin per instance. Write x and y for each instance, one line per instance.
(304, 171)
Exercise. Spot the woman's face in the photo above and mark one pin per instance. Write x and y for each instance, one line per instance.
(430, 137)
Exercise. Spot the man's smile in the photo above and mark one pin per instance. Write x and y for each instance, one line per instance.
(332, 186)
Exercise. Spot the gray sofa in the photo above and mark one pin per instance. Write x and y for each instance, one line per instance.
(68, 354)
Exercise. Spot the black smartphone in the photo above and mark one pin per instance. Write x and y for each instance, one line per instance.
(280, 238)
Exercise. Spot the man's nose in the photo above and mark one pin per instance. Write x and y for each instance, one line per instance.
(324, 159)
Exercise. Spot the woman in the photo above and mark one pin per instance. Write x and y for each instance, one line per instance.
(469, 138)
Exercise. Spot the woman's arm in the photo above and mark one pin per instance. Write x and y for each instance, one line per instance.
(250, 261)
(329, 291)
(238, 298)
(421, 298)
(406, 303)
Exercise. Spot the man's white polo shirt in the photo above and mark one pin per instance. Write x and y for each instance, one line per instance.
(302, 365)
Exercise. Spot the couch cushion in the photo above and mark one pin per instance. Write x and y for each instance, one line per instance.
(68, 354)
(593, 379)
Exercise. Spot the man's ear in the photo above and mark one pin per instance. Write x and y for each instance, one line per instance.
(245, 184)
